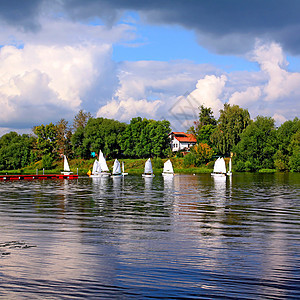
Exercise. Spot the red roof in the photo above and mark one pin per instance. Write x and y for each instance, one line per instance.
(184, 137)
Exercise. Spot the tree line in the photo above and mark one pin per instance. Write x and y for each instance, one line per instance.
(253, 144)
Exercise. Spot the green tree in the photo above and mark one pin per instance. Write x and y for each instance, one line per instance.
(80, 120)
(63, 138)
(204, 127)
(294, 149)
(46, 140)
(199, 154)
(146, 138)
(257, 146)
(284, 135)
(77, 139)
(232, 122)
(15, 150)
(104, 134)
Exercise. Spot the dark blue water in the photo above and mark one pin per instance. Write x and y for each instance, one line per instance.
(133, 238)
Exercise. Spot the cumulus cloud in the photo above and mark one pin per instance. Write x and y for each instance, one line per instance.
(124, 110)
(281, 83)
(42, 84)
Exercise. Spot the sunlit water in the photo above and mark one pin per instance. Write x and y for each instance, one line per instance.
(134, 238)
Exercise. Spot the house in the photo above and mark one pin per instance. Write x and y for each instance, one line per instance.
(182, 141)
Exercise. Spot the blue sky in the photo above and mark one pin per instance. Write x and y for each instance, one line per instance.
(122, 59)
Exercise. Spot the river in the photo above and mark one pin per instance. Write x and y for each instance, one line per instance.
(190, 237)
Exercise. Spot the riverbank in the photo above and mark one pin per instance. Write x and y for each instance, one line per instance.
(132, 166)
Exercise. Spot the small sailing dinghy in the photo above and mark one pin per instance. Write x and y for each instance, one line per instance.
(148, 171)
(123, 169)
(66, 170)
(219, 167)
(96, 171)
(116, 169)
(168, 169)
(103, 165)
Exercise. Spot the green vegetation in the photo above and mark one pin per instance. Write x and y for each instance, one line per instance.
(255, 145)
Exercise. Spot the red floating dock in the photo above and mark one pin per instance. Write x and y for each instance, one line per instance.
(34, 177)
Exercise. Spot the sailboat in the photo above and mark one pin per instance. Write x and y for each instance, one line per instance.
(116, 169)
(66, 170)
(229, 173)
(96, 171)
(123, 169)
(103, 165)
(219, 167)
(168, 169)
(148, 171)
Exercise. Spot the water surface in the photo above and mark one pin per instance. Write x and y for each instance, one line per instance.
(186, 237)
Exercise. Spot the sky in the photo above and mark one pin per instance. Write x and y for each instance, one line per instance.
(155, 59)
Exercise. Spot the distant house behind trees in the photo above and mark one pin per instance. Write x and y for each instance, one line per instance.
(182, 141)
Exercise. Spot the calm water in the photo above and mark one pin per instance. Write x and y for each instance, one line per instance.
(135, 238)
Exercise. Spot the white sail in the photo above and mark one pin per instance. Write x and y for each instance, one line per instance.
(66, 165)
(168, 168)
(102, 161)
(95, 167)
(216, 165)
(123, 169)
(116, 168)
(148, 167)
(220, 166)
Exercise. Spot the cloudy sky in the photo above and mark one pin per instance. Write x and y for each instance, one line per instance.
(155, 59)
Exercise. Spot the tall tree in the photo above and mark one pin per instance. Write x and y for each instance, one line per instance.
(80, 120)
(257, 146)
(204, 127)
(46, 140)
(232, 122)
(284, 136)
(63, 137)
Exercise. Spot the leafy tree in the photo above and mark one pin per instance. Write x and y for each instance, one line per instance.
(104, 134)
(15, 150)
(257, 146)
(232, 122)
(77, 139)
(200, 154)
(146, 138)
(63, 138)
(46, 140)
(80, 120)
(284, 135)
(294, 148)
(205, 126)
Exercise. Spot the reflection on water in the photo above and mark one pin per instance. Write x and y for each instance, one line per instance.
(133, 237)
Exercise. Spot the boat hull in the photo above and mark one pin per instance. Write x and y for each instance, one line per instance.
(148, 175)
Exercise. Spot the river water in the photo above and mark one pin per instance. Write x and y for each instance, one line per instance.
(134, 238)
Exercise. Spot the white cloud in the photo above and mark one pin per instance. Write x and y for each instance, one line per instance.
(47, 82)
(124, 110)
(281, 83)
(247, 97)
